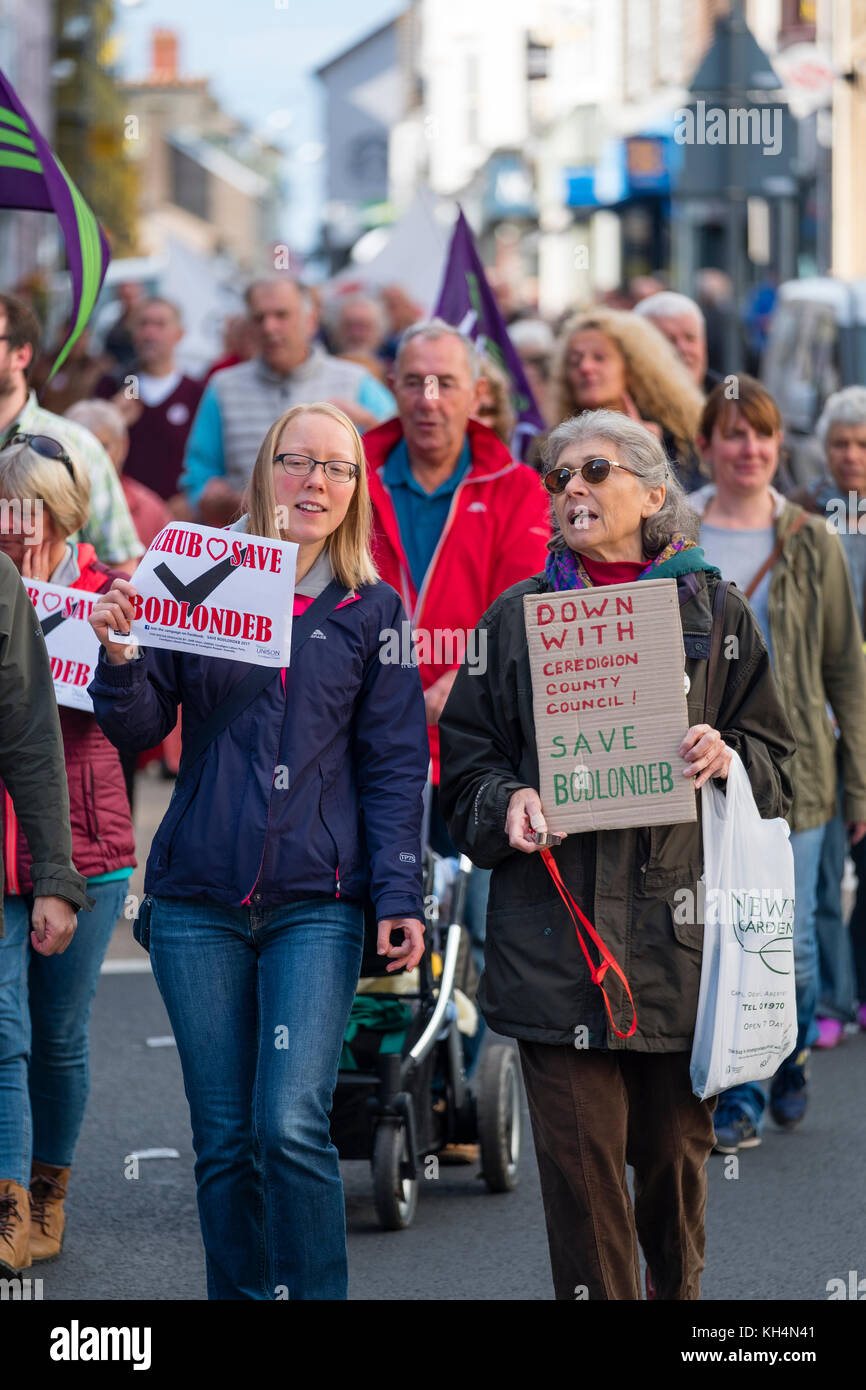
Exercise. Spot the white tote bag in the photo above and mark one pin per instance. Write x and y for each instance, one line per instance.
(747, 1011)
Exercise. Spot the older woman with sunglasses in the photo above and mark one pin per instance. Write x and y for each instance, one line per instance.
(598, 1099)
(45, 1001)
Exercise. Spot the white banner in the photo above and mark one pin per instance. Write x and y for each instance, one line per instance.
(215, 593)
(73, 647)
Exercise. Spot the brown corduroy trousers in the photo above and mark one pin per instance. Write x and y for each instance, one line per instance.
(593, 1112)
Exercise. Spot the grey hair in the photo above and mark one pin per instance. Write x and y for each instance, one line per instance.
(346, 300)
(430, 330)
(667, 304)
(303, 290)
(99, 414)
(533, 335)
(638, 448)
(847, 407)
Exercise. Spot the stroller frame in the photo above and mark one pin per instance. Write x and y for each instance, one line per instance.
(388, 1116)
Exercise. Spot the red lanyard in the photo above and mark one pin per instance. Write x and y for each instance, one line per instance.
(597, 972)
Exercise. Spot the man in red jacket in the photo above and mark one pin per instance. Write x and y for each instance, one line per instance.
(456, 520)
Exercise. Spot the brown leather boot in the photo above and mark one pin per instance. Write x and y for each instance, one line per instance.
(47, 1217)
(14, 1226)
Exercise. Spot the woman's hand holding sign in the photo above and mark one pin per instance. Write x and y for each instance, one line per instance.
(113, 612)
(524, 820)
(706, 753)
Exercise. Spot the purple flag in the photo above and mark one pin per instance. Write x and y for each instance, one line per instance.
(32, 177)
(467, 301)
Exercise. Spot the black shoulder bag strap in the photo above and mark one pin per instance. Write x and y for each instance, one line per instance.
(257, 677)
(711, 710)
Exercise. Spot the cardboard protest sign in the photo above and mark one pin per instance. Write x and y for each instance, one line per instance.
(610, 705)
(73, 647)
(215, 593)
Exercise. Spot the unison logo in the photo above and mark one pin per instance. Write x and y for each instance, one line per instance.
(733, 125)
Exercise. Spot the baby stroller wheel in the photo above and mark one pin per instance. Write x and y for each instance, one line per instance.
(395, 1196)
(498, 1108)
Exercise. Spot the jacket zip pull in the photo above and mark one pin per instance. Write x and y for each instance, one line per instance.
(337, 876)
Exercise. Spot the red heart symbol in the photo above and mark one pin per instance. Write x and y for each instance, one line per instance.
(50, 601)
(221, 548)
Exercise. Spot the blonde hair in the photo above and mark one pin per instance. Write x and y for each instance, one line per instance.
(655, 378)
(504, 417)
(349, 546)
(24, 474)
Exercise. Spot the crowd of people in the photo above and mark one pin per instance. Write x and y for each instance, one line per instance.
(383, 444)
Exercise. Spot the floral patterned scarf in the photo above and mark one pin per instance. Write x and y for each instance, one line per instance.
(565, 568)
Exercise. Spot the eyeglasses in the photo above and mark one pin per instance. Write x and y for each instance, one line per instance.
(45, 447)
(301, 465)
(593, 471)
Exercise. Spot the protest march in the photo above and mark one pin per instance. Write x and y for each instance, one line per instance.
(432, 668)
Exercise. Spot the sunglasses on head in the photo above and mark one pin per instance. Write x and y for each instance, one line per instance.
(46, 447)
(593, 471)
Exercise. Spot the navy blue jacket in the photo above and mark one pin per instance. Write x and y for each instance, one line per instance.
(315, 790)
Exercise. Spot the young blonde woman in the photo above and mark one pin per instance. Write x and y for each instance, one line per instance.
(282, 820)
(610, 359)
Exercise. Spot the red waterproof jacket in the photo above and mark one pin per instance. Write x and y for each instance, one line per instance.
(102, 835)
(496, 534)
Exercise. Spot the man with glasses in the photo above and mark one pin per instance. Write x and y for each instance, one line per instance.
(240, 404)
(456, 520)
(109, 527)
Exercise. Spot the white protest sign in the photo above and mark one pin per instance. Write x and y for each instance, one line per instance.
(73, 647)
(215, 593)
(610, 705)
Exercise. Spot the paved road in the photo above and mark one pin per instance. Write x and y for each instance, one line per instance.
(793, 1219)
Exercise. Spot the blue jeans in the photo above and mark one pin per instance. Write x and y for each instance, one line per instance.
(45, 1004)
(838, 991)
(807, 845)
(259, 1000)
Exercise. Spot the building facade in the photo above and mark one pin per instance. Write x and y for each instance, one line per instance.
(363, 101)
(203, 177)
